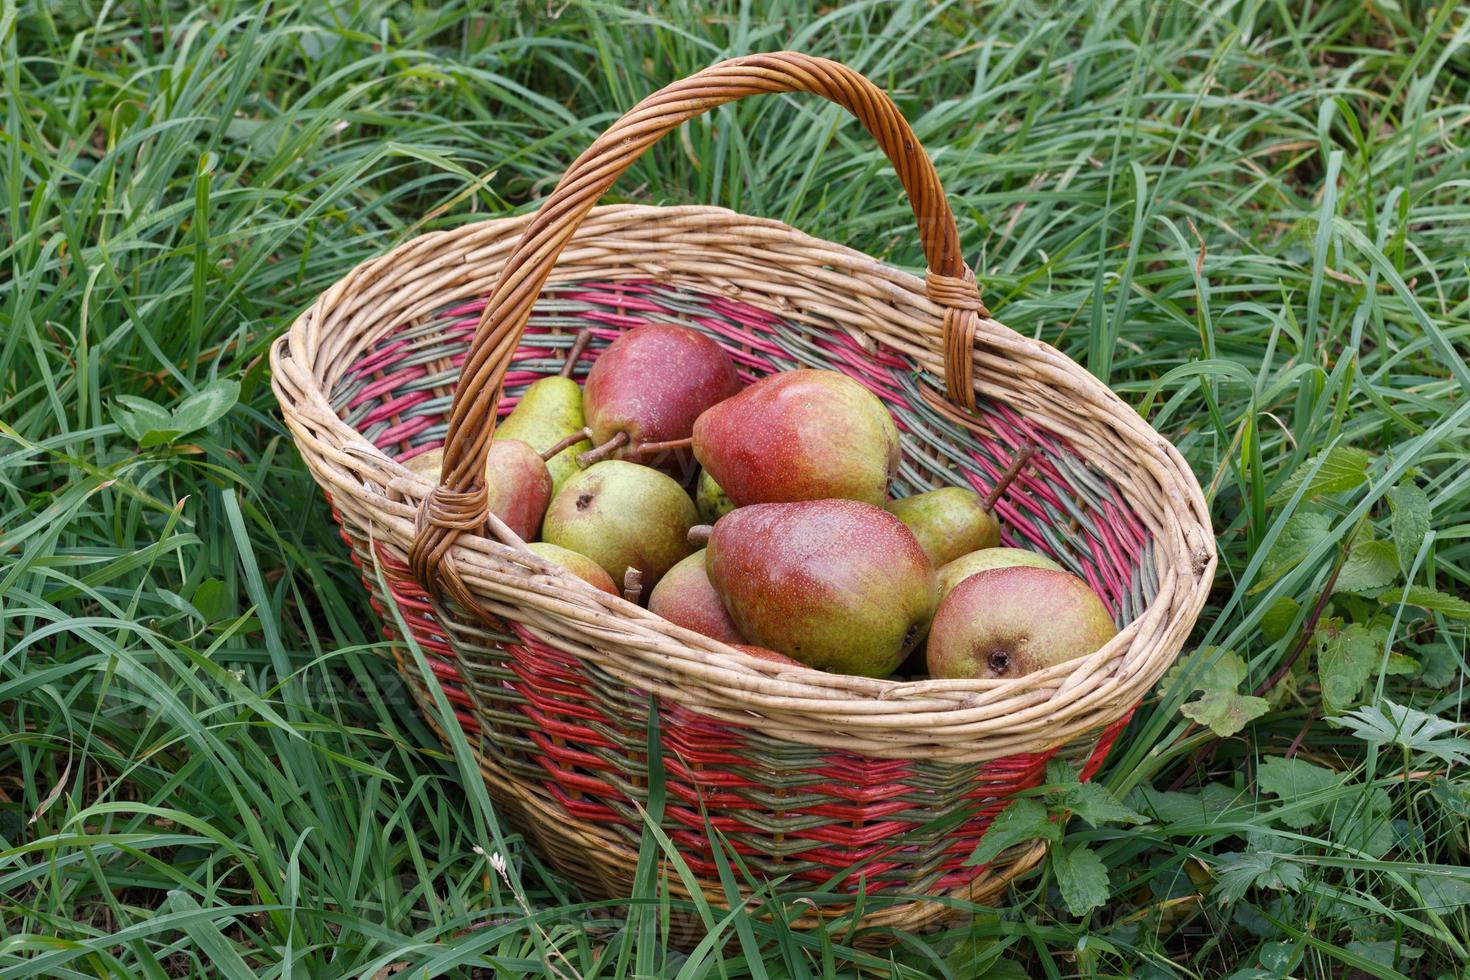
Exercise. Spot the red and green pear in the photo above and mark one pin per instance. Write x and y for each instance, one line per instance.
(763, 653)
(949, 522)
(685, 598)
(1011, 621)
(839, 585)
(623, 515)
(799, 435)
(647, 389)
(517, 483)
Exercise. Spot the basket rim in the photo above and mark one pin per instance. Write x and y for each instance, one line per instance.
(976, 718)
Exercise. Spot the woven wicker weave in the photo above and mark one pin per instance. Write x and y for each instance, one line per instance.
(823, 778)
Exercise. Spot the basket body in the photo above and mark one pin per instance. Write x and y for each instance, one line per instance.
(836, 783)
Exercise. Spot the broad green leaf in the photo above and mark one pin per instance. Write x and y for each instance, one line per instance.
(1225, 712)
(1386, 953)
(138, 416)
(211, 599)
(208, 404)
(1278, 619)
(1343, 468)
(1292, 779)
(1024, 820)
(1081, 877)
(1223, 708)
(1442, 891)
(1435, 601)
(1210, 805)
(1410, 521)
(1300, 533)
(1346, 658)
(1370, 565)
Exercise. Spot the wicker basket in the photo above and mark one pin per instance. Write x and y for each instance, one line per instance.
(824, 780)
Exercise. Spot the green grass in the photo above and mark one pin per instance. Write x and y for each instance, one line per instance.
(1250, 218)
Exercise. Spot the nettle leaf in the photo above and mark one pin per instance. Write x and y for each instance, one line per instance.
(1386, 723)
(1301, 531)
(1426, 598)
(1370, 565)
(1345, 659)
(1092, 802)
(1343, 468)
(1081, 877)
(1383, 952)
(1097, 805)
(1237, 872)
(1292, 779)
(1023, 821)
(1410, 522)
(1222, 708)
(1278, 619)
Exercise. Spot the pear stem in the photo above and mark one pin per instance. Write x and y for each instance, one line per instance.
(574, 352)
(581, 435)
(633, 585)
(598, 453)
(647, 448)
(699, 535)
(1018, 462)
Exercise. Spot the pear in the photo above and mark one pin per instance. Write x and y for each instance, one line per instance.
(645, 391)
(799, 435)
(963, 567)
(839, 585)
(517, 482)
(948, 522)
(762, 653)
(713, 503)
(548, 413)
(1010, 621)
(685, 598)
(623, 515)
(579, 565)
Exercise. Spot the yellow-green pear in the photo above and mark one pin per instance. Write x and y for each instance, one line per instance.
(963, 567)
(549, 411)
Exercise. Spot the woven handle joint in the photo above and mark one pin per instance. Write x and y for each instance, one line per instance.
(459, 503)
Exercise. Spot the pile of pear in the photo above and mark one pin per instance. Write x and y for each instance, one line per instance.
(759, 515)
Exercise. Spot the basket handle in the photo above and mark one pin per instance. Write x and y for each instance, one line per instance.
(459, 503)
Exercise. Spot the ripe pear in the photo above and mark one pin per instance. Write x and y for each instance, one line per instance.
(713, 503)
(839, 585)
(963, 567)
(799, 435)
(762, 653)
(517, 482)
(649, 386)
(549, 411)
(948, 522)
(685, 598)
(579, 565)
(1010, 621)
(623, 515)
